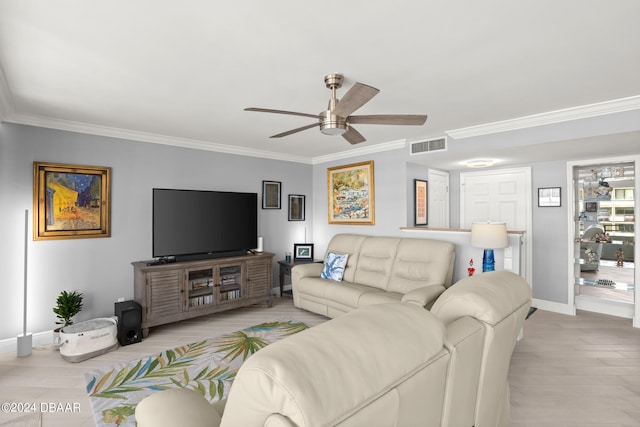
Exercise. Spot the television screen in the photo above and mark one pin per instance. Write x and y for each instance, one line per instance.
(208, 223)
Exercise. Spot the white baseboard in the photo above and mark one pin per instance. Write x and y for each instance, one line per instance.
(599, 305)
(555, 307)
(39, 339)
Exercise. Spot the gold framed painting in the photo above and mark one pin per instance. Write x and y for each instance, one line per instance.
(71, 201)
(351, 194)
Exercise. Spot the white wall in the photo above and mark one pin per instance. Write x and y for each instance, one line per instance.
(100, 268)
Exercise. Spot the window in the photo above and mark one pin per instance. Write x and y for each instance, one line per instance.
(623, 194)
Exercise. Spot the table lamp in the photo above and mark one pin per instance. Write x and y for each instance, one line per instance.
(489, 236)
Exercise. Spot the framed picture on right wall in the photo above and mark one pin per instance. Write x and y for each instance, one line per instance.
(421, 216)
(549, 197)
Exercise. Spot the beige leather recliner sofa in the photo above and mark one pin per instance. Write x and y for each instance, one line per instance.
(393, 364)
(378, 270)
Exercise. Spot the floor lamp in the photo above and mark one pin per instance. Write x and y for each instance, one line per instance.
(25, 339)
(489, 236)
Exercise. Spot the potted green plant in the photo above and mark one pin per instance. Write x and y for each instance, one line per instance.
(68, 304)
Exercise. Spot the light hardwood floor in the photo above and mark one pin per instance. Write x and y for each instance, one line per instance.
(567, 371)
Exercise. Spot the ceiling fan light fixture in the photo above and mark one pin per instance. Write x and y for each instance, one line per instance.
(330, 124)
(332, 130)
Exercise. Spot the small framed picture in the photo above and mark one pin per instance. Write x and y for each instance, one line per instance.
(271, 194)
(549, 197)
(303, 251)
(591, 206)
(296, 207)
(420, 198)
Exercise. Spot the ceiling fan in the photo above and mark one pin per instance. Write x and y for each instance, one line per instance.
(337, 119)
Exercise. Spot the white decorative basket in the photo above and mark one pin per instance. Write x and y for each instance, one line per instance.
(88, 339)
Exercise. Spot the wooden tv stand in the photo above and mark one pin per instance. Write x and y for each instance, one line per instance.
(183, 290)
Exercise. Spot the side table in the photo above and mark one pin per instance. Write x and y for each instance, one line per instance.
(285, 269)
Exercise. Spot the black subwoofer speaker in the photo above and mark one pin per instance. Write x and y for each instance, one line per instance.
(129, 314)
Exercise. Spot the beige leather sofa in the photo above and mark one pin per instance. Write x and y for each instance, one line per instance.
(378, 270)
(393, 364)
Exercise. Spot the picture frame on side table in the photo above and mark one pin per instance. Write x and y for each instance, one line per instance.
(271, 194)
(350, 190)
(549, 197)
(296, 207)
(303, 251)
(420, 188)
(71, 201)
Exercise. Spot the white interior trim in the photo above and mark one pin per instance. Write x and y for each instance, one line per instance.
(550, 117)
(90, 129)
(584, 302)
(378, 148)
(39, 339)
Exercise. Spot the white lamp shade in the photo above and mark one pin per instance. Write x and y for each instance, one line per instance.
(489, 235)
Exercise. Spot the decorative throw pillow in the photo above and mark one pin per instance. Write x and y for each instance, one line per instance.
(334, 266)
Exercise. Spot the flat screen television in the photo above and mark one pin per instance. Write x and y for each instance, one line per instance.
(194, 224)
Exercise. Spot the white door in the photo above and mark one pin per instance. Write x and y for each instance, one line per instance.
(502, 195)
(438, 199)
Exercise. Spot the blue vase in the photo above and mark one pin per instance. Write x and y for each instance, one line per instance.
(488, 262)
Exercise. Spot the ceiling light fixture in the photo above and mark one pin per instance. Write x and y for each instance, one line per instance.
(480, 163)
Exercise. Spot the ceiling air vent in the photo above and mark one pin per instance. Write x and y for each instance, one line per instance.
(429, 145)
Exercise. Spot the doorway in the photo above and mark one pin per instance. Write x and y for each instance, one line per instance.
(438, 202)
(604, 207)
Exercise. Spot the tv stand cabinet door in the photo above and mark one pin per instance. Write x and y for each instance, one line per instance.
(259, 277)
(164, 296)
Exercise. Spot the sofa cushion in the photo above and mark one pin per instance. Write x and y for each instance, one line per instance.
(375, 261)
(419, 263)
(334, 266)
(380, 297)
(346, 293)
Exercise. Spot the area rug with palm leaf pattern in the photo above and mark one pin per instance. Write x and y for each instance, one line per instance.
(208, 367)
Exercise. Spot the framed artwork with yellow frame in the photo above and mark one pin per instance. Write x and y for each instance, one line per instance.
(351, 194)
(71, 201)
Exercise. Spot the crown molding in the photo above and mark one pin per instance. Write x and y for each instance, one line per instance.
(6, 99)
(377, 148)
(551, 117)
(152, 138)
(71, 126)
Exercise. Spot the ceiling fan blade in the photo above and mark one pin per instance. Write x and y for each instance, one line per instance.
(356, 97)
(389, 119)
(353, 136)
(289, 132)
(291, 113)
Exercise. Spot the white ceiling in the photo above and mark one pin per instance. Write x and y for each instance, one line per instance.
(182, 72)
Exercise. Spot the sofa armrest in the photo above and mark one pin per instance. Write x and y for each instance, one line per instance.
(176, 407)
(424, 296)
(464, 340)
(311, 269)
